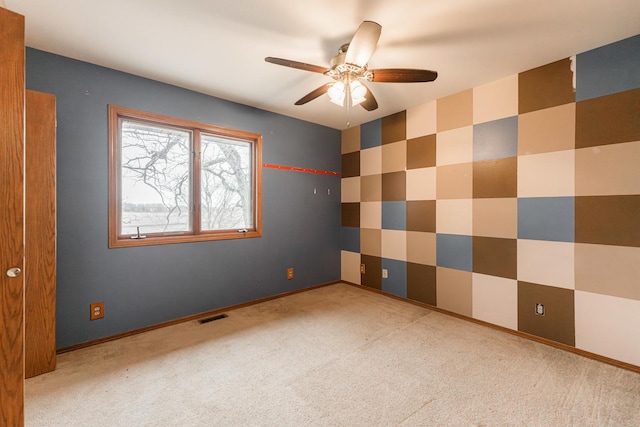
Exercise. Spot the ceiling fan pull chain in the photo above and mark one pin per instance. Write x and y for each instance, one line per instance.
(348, 101)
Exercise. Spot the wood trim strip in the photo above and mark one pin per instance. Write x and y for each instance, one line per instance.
(560, 346)
(187, 319)
(297, 169)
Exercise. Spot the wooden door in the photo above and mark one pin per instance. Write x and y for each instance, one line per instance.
(40, 235)
(12, 94)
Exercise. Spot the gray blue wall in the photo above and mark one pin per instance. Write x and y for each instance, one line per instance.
(143, 286)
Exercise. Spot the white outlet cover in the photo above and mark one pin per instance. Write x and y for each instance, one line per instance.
(385, 273)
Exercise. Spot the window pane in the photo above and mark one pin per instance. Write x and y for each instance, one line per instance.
(226, 184)
(155, 180)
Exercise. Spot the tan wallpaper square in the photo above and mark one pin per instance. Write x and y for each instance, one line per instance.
(421, 247)
(608, 270)
(495, 218)
(550, 129)
(455, 111)
(608, 170)
(394, 157)
(495, 100)
(454, 290)
(371, 241)
(371, 188)
(351, 140)
(454, 181)
(421, 120)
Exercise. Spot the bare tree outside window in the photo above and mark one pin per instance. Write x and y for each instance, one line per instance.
(156, 176)
(225, 186)
(175, 181)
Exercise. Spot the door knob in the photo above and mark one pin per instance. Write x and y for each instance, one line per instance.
(14, 272)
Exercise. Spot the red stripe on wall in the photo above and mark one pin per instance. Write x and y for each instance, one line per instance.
(295, 169)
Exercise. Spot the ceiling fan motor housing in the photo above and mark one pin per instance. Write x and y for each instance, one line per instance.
(347, 72)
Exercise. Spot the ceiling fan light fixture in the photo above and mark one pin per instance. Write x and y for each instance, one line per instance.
(337, 93)
(358, 92)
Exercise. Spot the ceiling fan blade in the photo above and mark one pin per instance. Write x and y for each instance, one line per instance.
(369, 102)
(403, 75)
(314, 94)
(296, 64)
(363, 43)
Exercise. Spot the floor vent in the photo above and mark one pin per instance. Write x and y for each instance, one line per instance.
(212, 318)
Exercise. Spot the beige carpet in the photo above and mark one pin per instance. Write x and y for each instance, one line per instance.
(333, 356)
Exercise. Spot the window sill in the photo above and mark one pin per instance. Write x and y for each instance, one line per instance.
(126, 242)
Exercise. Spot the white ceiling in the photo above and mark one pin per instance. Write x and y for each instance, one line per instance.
(218, 47)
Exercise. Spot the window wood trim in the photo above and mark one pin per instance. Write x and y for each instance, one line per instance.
(116, 240)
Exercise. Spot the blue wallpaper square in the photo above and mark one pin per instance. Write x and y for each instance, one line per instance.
(396, 283)
(371, 134)
(496, 139)
(454, 251)
(608, 69)
(547, 218)
(394, 215)
(350, 239)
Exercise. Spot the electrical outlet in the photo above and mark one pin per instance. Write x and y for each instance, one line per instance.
(97, 310)
(385, 273)
(289, 273)
(361, 268)
(539, 309)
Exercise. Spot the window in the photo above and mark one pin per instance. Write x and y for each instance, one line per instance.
(175, 181)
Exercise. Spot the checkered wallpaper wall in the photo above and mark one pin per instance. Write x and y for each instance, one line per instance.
(520, 192)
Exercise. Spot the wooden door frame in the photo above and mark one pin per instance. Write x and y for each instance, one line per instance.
(40, 234)
(12, 157)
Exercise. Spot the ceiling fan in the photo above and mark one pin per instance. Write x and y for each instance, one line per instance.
(350, 71)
